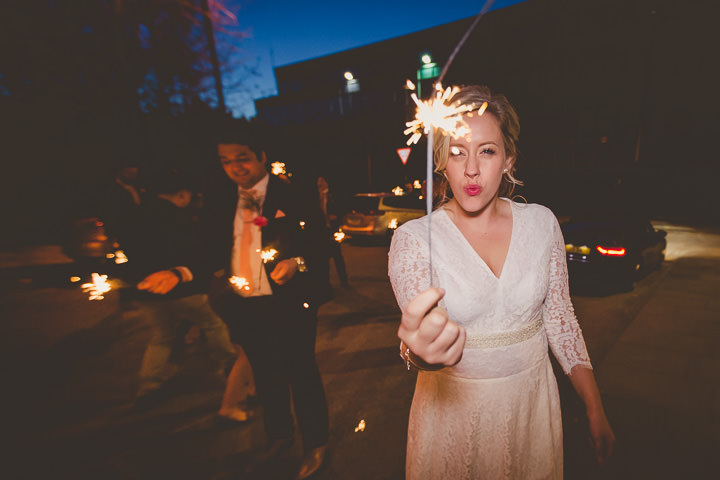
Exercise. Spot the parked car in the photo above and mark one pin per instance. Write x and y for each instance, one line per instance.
(612, 251)
(377, 215)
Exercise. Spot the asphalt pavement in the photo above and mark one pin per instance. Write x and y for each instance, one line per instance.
(70, 370)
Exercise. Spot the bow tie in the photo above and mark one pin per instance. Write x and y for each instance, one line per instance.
(249, 199)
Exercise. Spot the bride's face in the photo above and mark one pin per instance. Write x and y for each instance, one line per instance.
(476, 162)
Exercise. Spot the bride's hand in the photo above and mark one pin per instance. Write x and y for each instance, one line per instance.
(426, 329)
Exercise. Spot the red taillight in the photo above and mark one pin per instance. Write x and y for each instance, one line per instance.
(612, 251)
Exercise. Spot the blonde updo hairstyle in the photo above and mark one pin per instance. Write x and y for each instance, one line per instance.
(504, 113)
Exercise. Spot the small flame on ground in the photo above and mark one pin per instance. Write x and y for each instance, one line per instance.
(360, 427)
(97, 288)
(339, 236)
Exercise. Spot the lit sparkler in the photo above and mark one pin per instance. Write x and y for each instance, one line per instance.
(240, 284)
(97, 288)
(439, 112)
(339, 236)
(398, 191)
(268, 254)
(417, 185)
(120, 257)
(278, 168)
(393, 224)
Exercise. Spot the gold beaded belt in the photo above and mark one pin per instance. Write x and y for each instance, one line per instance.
(503, 339)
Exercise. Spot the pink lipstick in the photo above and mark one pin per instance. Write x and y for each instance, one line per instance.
(473, 189)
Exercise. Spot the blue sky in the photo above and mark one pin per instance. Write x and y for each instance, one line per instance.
(280, 32)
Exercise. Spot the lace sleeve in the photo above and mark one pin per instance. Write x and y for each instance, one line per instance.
(407, 267)
(561, 325)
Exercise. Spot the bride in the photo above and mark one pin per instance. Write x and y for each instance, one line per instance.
(486, 404)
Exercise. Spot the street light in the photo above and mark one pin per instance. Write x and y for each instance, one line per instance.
(427, 70)
(351, 83)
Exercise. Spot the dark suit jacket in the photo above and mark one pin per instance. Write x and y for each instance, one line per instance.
(284, 208)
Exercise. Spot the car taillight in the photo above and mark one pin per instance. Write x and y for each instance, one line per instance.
(611, 251)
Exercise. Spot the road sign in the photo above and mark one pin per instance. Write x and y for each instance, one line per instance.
(403, 153)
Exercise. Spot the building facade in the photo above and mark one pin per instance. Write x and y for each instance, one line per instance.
(613, 93)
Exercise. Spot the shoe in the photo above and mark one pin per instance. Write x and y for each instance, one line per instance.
(312, 462)
(275, 449)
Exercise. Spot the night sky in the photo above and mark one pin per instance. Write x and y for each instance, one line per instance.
(281, 32)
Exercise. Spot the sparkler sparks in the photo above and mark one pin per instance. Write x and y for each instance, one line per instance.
(239, 283)
(278, 168)
(360, 427)
(268, 254)
(97, 288)
(438, 112)
(120, 257)
(398, 191)
(339, 236)
(393, 224)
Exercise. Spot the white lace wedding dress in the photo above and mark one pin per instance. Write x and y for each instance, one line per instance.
(496, 414)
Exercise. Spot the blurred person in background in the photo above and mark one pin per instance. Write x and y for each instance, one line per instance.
(333, 219)
(163, 239)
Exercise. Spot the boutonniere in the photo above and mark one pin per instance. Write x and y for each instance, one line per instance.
(260, 221)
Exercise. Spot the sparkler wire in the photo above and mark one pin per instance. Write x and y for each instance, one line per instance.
(464, 38)
(430, 132)
(429, 195)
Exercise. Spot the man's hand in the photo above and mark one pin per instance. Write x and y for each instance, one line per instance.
(426, 329)
(159, 282)
(284, 271)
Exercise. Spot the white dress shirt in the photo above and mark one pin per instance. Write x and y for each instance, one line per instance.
(261, 287)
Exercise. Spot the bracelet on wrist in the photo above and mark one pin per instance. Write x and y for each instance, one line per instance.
(177, 273)
(412, 360)
(300, 263)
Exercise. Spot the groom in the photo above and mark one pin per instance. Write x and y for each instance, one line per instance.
(272, 314)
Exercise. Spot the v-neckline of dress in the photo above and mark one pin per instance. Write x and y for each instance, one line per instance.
(477, 255)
